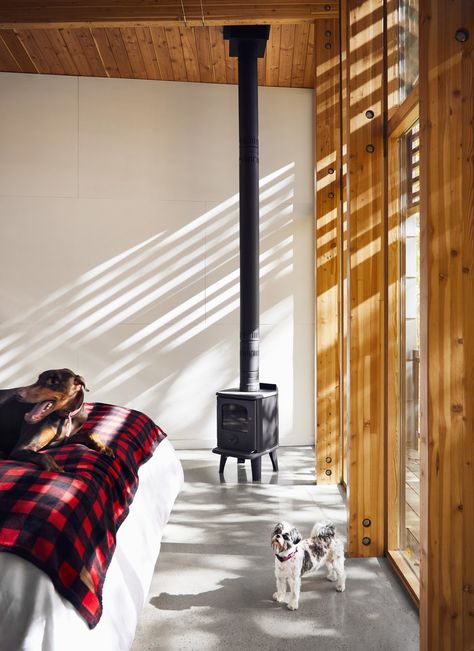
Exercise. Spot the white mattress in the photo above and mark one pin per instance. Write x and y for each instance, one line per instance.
(34, 617)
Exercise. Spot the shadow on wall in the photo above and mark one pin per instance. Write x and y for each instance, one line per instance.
(189, 279)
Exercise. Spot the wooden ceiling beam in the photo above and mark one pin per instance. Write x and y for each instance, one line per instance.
(44, 14)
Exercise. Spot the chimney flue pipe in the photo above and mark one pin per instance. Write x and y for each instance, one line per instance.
(248, 43)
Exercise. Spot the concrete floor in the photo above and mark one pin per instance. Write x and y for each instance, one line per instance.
(213, 582)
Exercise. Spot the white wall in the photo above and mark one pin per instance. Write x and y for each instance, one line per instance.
(119, 244)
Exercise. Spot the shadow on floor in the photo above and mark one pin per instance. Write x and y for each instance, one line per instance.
(214, 580)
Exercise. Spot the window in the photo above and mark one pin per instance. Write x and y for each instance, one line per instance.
(403, 352)
(409, 349)
(235, 418)
(408, 68)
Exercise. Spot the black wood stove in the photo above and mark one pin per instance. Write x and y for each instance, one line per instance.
(247, 426)
(247, 417)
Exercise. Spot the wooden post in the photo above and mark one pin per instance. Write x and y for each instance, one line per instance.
(447, 266)
(328, 250)
(365, 60)
(345, 253)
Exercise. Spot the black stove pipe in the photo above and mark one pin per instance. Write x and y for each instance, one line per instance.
(248, 43)
(249, 219)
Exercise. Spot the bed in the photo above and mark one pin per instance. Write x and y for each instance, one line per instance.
(34, 614)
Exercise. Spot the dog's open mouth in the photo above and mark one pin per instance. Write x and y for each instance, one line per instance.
(40, 411)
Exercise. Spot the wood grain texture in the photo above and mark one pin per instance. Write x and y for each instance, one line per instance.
(328, 251)
(62, 53)
(34, 52)
(191, 13)
(12, 43)
(178, 65)
(188, 43)
(447, 345)
(366, 496)
(160, 44)
(218, 55)
(114, 36)
(172, 53)
(148, 53)
(286, 55)
(309, 62)
(41, 39)
(203, 54)
(8, 62)
(300, 39)
(344, 416)
(134, 54)
(74, 45)
(272, 56)
(105, 52)
(231, 67)
(89, 48)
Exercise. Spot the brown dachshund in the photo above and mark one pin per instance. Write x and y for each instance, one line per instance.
(48, 412)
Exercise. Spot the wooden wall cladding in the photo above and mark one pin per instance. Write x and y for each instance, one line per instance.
(345, 257)
(447, 264)
(366, 497)
(64, 13)
(328, 251)
(173, 53)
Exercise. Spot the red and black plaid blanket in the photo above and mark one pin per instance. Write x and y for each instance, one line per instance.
(66, 523)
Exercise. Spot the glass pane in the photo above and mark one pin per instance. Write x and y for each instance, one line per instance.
(408, 17)
(235, 418)
(409, 522)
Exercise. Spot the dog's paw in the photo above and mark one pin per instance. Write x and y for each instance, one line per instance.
(277, 596)
(292, 605)
(332, 576)
(340, 588)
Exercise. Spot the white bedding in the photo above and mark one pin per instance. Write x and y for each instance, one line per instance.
(34, 617)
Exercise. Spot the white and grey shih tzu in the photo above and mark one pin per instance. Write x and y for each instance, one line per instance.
(295, 557)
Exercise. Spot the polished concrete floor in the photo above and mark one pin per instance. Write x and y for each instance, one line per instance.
(213, 582)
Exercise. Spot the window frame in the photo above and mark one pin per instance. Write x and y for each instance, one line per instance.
(401, 122)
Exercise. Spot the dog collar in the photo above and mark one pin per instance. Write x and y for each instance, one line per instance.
(69, 417)
(76, 411)
(287, 558)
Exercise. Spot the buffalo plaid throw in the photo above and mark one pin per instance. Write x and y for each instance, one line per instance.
(66, 523)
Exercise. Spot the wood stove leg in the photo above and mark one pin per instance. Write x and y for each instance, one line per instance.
(222, 464)
(257, 469)
(274, 458)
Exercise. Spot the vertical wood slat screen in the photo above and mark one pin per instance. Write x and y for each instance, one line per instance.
(366, 245)
(328, 251)
(447, 343)
(350, 254)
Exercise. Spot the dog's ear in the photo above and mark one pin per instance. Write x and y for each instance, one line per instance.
(295, 536)
(78, 379)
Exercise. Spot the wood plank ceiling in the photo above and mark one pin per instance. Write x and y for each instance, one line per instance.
(197, 54)
(173, 40)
